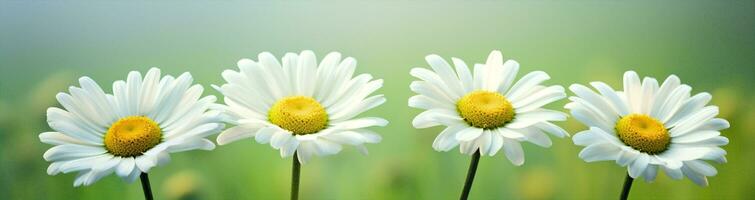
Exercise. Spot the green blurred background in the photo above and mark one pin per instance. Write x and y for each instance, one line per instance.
(46, 45)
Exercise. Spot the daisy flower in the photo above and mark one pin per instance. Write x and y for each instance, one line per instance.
(485, 110)
(300, 107)
(647, 128)
(130, 131)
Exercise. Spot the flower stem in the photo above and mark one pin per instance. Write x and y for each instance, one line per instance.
(145, 186)
(627, 186)
(295, 171)
(470, 175)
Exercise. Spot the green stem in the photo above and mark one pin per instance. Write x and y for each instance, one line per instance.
(295, 171)
(627, 186)
(470, 175)
(145, 186)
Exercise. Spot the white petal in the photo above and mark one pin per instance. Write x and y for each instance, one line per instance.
(599, 152)
(444, 71)
(510, 69)
(701, 167)
(633, 91)
(594, 100)
(525, 84)
(513, 151)
(264, 134)
(627, 157)
(234, 134)
(486, 143)
(71, 151)
(688, 107)
(125, 167)
(613, 97)
(552, 129)
(361, 123)
(465, 76)
(695, 136)
(431, 91)
(715, 124)
(325, 147)
(510, 133)
(650, 173)
(649, 87)
(56, 138)
(673, 173)
(279, 139)
(695, 120)
(696, 177)
(537, 137)
(64, 122)
(523, 120)
(192, 144)
(346, 137)
(540, 98)
(469, 134)
(145, 163)
(669, 85)
(676, 152)
(326, 75)
(637, 168)
(590, 115)
(446, 140)
(427, 103)
(305, 152)
(674, 102)
(289, 148)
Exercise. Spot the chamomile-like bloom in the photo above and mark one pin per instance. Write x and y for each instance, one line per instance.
(298, 105)
(130, 131)
(647, 127)
(485, 109)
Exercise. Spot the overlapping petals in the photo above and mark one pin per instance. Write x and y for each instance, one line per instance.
(252, 91)
(691, 123)
(79, 127)
(440, 88)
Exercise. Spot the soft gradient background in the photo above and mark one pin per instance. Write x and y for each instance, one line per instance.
(46, 45)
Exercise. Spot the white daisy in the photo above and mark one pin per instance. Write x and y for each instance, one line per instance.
(300, 106)
(647, 128)
(485, 109)
(130, 131)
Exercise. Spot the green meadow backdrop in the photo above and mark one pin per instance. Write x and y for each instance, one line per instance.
(46, 45)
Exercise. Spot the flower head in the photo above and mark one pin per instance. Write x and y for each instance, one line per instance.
(647, 127)
(130, 131)
(485, 109)
(298, 105)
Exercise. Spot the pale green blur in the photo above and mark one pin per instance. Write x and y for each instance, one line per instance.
(46, 46)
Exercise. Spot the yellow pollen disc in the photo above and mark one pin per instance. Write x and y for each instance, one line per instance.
(132, 136)
(485, 109)
(643, 133)
(299, 114)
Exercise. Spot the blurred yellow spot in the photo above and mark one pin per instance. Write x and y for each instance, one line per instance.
(132, 136)
(299, 114)
(727, 100)
(643, 133)
(485, 109)
(537, 183)
(182, 185)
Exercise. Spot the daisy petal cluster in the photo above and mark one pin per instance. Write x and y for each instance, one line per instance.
(129, 131)
(301, 106)
(649, 127)
(487, 108)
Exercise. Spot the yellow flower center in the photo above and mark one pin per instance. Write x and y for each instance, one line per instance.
(132, 136)
(299, 114)
(485, 109)
(643, 133)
